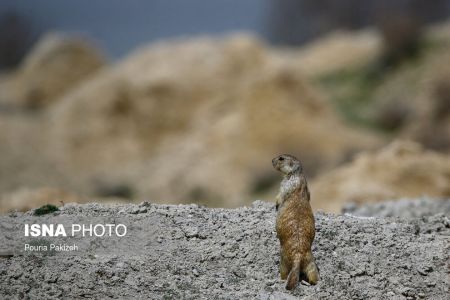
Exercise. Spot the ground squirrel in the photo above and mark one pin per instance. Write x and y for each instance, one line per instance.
(295, 223)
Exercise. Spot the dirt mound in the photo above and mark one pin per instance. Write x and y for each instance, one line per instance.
(402, 169)
(430, 124)
(408, 96)
(56, 64)
(190, 252)
(338, 51)
(420, 93)
(24, 160)
(197, 120)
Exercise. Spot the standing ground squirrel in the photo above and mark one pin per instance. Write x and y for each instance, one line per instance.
(295, 223)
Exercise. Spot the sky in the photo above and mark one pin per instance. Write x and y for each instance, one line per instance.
(118, 26)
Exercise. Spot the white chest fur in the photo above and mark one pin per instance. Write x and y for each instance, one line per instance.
(288, 184)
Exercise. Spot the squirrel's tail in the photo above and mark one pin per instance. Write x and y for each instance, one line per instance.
(311, 272)
(293, 276)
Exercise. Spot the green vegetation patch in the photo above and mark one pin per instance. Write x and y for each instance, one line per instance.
(45, 209)
(352, 92)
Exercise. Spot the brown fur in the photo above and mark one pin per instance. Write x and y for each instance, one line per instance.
(295, 223)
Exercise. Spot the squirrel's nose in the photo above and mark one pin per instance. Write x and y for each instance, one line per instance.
(274, 161)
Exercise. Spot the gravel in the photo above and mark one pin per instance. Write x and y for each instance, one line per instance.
(193, 252)
(405, 208)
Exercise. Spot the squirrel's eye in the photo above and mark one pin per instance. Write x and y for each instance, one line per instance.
(281, 158)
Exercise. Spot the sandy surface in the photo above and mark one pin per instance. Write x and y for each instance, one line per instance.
(192, 252)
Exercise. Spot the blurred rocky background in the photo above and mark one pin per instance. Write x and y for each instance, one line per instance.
(150, 101)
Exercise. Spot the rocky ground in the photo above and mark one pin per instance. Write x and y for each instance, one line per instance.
(194, 252)
(405, 208)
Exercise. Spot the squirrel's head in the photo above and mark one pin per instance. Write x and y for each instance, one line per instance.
(287, 164)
